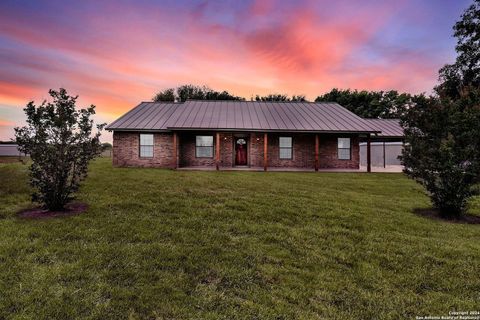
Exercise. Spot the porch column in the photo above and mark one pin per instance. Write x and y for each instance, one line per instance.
(265, 151)
(175, 158)
(316, 151)
(217, 152)
(384, 155)
(369, 156)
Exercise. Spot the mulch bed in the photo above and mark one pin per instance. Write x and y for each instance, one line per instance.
(434, 214)
(71, 209)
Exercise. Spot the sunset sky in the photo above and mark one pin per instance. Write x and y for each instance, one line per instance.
(114, 54)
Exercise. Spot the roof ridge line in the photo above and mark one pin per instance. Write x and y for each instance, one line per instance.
(164, 102)
(246, 101)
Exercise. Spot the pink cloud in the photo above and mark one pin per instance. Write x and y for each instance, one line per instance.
(116, 60)
(261, 7)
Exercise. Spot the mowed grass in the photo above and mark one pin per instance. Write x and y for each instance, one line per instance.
(162, 244)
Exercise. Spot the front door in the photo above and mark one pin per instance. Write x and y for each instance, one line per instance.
(240, 152)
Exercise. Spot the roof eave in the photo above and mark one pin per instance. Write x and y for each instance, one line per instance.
(271, 130)
(390, 137)
(137, 129)
(240, 130)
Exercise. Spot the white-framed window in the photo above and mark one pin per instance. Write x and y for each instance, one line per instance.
(146, 145)
(286, 147)
(344, 149)
(204, 146)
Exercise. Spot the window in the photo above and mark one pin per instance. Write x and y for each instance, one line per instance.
(285, 147)
(344, 148)
(204, 147)
(146, 145)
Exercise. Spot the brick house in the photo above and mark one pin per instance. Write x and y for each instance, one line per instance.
(240, 134)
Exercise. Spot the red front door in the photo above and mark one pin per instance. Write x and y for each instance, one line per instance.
(240, 152)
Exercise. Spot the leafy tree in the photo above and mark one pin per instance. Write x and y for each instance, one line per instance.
(106, 146)
(465, 72)
(280, 97)
(167, 95)
(442, 133)
(299, 98)
(370, 104)
(272, 97)
(224, 95)
(192, 92)
(61, 143)
(189, 91)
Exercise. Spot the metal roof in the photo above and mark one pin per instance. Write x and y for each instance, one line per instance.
(145, 116)
(242, 115)
(388, 127)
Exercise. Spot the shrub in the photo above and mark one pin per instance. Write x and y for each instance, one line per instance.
(442, 149)
(60, 142)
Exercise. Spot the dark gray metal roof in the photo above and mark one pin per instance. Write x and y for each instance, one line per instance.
(242, 115)
(145, 116)
(388, 127)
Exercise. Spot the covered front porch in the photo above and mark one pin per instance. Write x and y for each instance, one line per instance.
(389, 169)
(259, 169)
(267, 151)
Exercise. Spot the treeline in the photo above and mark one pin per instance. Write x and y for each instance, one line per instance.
(194, 92)
(372, 104)
(367, 104)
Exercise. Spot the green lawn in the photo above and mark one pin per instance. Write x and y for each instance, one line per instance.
(164, 244)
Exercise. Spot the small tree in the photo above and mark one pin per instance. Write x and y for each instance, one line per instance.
(442, 150)
(60, 142)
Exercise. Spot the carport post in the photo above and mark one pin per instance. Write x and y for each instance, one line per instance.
(369, 156)
(316, 152)
(384, 161)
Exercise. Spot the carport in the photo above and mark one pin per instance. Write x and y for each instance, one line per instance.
(385, 147)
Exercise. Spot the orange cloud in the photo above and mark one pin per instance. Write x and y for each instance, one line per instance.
(6, 123)
(14, 94)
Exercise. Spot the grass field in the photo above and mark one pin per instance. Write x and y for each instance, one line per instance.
(161, 244)
(12, 159)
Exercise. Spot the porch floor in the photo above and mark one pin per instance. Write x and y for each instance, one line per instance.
(277, 169)
(270, 169)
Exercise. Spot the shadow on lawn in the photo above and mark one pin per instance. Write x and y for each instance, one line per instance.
(432, 213)
(71, 209)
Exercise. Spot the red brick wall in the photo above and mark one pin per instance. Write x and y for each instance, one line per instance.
(226, 150)
(126, 151)
(328, 156)
(256, 149)
(303, 151)
(187, 156)
(187, 152)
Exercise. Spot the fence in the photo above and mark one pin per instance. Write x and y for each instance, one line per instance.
(107, 153)
(10, 150)
(383, 154)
